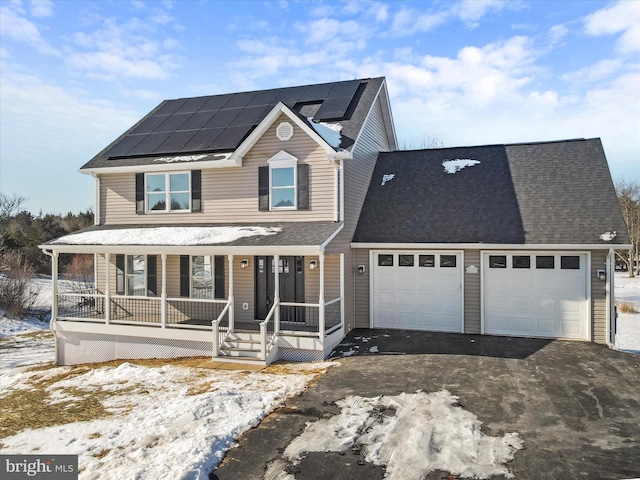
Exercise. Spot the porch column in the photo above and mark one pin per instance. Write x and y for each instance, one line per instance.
(321, 298)
(107, 289)
(231, 296)
(163, 294)
(276, 293)
(342, 289)
(54, 286)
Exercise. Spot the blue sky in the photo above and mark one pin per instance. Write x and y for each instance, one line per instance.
(76, 74)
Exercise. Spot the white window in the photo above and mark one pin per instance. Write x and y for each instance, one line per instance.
(202, 275)
(136, 275)
(283, 181)
(168, 192)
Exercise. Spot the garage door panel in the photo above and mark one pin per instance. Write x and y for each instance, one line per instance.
(425, 298)
(535, 301)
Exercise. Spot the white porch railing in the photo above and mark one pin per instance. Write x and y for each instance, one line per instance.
(221, 329)
(308, 317)
(269, 331)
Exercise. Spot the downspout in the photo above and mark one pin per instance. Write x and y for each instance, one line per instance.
(54, 298)
(336, 189)
(96, 213)
(610, 301)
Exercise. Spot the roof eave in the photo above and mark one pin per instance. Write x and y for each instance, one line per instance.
(231, 161)
(489, 246)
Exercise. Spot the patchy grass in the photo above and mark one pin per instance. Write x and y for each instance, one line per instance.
(627, 307)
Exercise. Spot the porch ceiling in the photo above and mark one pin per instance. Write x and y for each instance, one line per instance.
(258, 238)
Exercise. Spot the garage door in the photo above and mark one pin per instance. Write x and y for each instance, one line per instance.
(535, 294)
(417, 291)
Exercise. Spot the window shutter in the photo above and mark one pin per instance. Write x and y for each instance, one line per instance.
(263, 189)
(119, 274)
(303, 186)
(196, 190)
(184, 275)
(152, 275)
(218, 281)
(140, 193)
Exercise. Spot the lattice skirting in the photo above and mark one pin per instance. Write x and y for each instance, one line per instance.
(300, 355)
(76, 347)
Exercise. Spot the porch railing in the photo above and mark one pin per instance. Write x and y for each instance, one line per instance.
(269, 329)
(305, 317)
(221, 328)
(84, 304)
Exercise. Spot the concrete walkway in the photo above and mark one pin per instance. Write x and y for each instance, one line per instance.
(576, 405)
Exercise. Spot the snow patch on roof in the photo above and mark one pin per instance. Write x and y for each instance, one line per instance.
(330, 132)
(387, 177)
(454, 166)
(165, 236)
(608, 236)
(181, 158)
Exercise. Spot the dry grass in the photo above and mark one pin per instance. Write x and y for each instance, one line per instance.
(626, 307)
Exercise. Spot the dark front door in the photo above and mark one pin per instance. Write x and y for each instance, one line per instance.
(291, 275)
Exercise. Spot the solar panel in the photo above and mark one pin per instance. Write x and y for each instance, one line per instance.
(222, 118)
(249, 115)
(197, 121)
(266, 97)
(231, 137)
(333, 108)
(170, 106)
(216, 102)
(289, 96)
(192, 105)
(172, 122)
(124, 146)
(201, 140)
(344, 89)
(239, 100)
(149, 144)
(149, 125)
(175, 142)
(315, 92)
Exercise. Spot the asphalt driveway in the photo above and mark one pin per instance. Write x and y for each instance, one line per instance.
(575, 405)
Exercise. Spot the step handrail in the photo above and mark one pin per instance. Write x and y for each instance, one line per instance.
(264, 348)
(216, 333)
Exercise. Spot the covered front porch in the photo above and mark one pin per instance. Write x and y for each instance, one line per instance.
(236, 304)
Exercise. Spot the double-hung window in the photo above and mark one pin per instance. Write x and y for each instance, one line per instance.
(136, 275)
(202, 275)
(168, 192)
(283, 181)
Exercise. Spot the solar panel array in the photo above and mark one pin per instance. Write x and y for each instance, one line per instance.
(222, 122)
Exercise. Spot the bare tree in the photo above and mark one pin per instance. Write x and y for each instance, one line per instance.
(629, 198)
(10, 205)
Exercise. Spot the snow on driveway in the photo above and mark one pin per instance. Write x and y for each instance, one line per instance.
(628, 324)
(412, 435)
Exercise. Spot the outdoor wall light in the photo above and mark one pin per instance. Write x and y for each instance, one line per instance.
(602, 275)
(313, 264)
(361, 269)
(244, 263)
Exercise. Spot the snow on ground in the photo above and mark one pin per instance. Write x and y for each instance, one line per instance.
(412, 435)
(627, 290)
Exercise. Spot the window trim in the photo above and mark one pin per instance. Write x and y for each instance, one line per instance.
(168, 192)
(283, 160)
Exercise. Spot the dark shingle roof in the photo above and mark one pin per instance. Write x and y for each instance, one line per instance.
(537, 193)
(220, 123)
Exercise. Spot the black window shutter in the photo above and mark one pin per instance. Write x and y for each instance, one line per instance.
(303, 186)
(152, 275)
(184, 275)
(196, 190)
(140, 193)
(218, 281)
(119, 274)
(263, 189)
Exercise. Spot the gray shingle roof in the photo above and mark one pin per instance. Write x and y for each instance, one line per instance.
(537, 193)
(220, 123)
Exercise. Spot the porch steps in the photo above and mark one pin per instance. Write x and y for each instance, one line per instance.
(241, 347)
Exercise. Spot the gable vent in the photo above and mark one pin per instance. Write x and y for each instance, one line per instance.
(284, 131)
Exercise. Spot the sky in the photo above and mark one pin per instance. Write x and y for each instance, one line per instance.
(74, 74)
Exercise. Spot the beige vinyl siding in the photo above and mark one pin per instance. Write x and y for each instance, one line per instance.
(472, 292)
(362, 298)
(231, 194)
(598, 297)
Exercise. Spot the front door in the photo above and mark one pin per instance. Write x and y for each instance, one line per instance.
(291, 275)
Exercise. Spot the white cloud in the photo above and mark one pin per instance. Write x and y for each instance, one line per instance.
(18, 28)
(41, 8)
(471, 11)
(556, 34)
(335, 35)
(622, 17)
(408, 21)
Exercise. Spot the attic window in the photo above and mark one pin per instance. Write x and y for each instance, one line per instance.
(284, 131)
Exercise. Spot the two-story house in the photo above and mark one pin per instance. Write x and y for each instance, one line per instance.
(223, 225)
(265, 225)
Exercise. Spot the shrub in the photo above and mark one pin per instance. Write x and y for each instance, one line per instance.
(626, 307)
(17, 290)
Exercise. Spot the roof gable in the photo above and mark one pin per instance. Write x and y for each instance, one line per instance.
(544, 193)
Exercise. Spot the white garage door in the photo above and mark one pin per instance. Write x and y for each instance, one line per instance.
(417, 291)
(535, 294)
